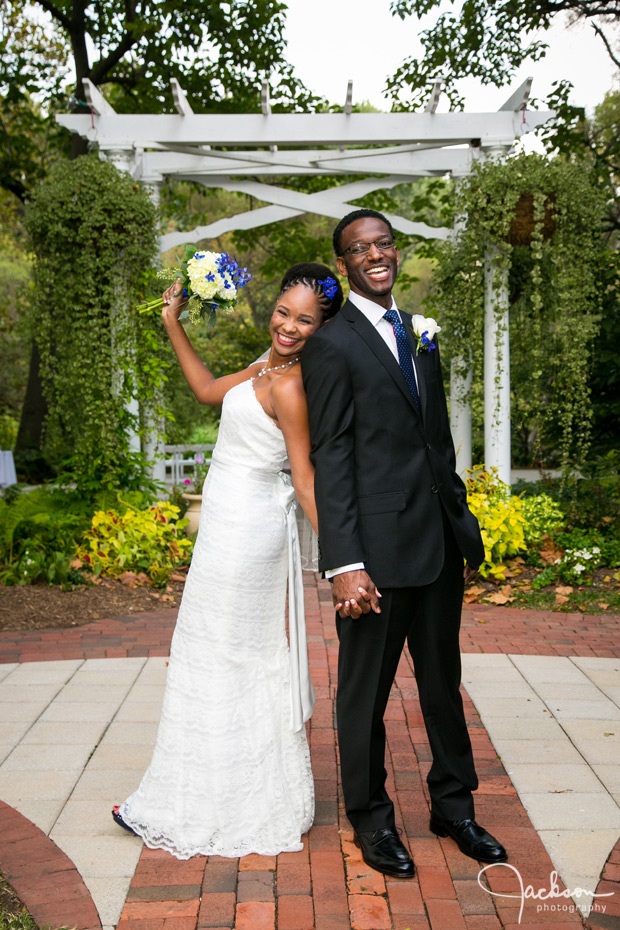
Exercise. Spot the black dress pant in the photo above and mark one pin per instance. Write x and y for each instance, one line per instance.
(429, 618)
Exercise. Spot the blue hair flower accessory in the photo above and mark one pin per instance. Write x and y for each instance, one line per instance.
(330, 286)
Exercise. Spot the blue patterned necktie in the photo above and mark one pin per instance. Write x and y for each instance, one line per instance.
(404, 354)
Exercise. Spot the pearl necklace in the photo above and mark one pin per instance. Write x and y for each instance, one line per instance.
(275, 368)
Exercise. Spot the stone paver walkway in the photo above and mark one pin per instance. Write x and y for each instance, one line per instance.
(78, 715)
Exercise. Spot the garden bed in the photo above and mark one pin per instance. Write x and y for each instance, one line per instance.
(42, 606)
(601, 596)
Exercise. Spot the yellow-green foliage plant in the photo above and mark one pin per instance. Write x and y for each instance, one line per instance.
(138, 540)
(501, 519)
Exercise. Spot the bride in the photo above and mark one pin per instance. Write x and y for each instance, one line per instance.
(230, 773)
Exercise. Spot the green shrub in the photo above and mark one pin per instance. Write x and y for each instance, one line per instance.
(542, 517)
(41, 529)
(501, 519)
(583, 552)
(40, 520)
(8, 430)
(137, 540)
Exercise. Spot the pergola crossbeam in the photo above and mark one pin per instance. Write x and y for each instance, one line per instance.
(121, 130)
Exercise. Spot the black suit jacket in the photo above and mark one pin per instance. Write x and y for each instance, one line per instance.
(382, 471)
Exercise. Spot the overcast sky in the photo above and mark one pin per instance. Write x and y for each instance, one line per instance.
(330, 41)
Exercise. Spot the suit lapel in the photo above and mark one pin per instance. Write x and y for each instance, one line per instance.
(373, 340)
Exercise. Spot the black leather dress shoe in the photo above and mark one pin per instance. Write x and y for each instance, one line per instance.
(471, 839)
(383, 850)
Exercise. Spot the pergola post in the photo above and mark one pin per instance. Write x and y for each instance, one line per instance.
(153, 444)
(460, 388)
(496, 365)
(460, 411)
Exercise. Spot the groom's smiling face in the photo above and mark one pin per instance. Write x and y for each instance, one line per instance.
(373, 273)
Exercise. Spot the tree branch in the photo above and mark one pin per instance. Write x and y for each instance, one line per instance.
(100, 70)
(56, 14)
(602, 35)
(105, 65)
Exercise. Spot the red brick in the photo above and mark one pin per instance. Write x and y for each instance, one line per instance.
(141, 910)
(293, 874)
(575, 924)
(435, 883)
(361, 879)
(482, 922)
(256, 887)
(332, 922)
(369, 912)
(445, 915)
(411, 922)
(220, 875)
(473, 899)
(217, 910)
(327, 838)
(404, 897)
(180, 923)
(256, 863)
(295, 912)
(148, 924)
(255, 916)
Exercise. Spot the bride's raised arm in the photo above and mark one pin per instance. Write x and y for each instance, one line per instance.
(206, 387)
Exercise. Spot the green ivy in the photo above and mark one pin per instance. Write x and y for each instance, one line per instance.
(554, 289)
(93, 234)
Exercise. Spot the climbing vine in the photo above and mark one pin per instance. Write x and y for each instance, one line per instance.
(93, 231)
(540, 221)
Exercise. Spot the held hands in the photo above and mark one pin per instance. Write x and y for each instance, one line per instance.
(354, 594)
(469, 573)
(174, 302)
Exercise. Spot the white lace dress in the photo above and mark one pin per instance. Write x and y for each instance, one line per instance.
(230, 773)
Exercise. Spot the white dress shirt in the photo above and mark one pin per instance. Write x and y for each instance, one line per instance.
(374, 314)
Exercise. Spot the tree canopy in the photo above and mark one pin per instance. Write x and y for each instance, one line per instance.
(488, 40)
(219, 52)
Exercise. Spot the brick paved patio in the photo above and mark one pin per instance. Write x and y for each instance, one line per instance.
(327, 886)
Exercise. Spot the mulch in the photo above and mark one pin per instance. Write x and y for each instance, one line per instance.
(42, 606)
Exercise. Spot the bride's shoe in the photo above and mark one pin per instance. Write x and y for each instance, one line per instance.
(119, 820)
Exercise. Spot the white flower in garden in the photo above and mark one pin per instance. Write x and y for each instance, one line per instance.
(579, 568)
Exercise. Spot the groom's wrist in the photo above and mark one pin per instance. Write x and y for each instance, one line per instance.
(353, 567)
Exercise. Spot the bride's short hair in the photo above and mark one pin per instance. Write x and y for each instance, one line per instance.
(321, 280)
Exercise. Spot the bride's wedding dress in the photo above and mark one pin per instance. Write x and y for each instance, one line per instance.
(230, 773)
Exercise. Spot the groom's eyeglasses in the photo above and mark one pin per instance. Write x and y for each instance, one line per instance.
(360, 248)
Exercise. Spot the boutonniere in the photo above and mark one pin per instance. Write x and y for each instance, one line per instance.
(424, 328)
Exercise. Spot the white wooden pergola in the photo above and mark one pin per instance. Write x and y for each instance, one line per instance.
(235, 151)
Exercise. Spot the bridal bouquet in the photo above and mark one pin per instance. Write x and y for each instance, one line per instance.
(209, 280)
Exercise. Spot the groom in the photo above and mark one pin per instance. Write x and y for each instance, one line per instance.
(394, 529)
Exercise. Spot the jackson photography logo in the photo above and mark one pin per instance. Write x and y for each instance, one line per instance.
(550, 899)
